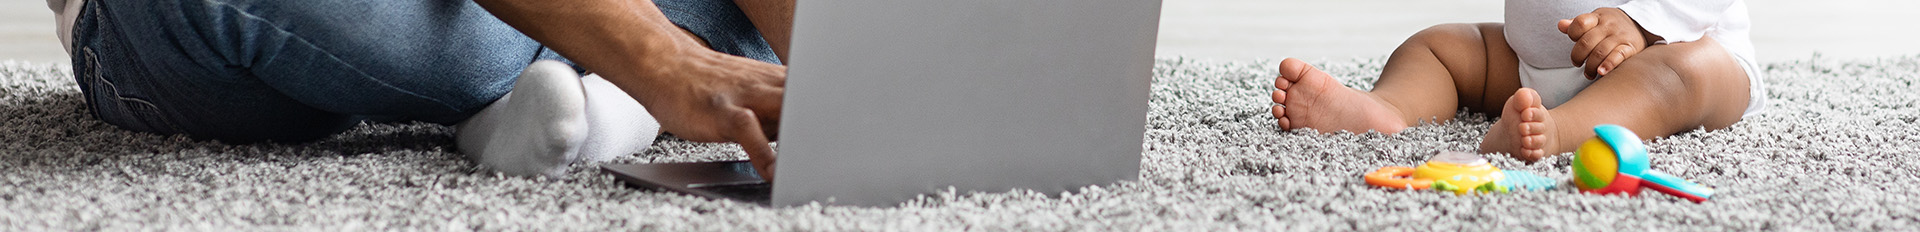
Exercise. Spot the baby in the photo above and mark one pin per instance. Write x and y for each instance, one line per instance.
(1554, 70)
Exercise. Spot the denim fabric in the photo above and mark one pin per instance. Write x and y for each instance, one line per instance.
(722, 24)
(289, 71)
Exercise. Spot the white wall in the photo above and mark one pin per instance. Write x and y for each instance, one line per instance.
(1272, 29)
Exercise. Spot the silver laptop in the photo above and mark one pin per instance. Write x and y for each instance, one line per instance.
(890, 99)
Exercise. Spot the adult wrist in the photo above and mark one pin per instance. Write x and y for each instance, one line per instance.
(657, 57)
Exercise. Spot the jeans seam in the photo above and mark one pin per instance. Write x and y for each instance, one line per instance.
(148, 114)
(148, 110)
(91, 76)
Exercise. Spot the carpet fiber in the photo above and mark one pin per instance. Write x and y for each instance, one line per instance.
(1840, 150)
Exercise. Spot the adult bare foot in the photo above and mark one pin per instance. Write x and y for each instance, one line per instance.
(1524, 129)
(1309, 98)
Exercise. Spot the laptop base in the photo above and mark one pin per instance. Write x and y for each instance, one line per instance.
(721, 180)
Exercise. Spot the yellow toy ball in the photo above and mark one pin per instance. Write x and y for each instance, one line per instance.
(1594, 165)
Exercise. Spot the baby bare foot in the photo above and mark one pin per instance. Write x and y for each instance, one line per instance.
(1523, 128)
(1309, 98)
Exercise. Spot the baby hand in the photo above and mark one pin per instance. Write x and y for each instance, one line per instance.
(1604, 38)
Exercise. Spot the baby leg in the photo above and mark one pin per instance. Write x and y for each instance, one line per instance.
(1429, 77)
(1664, 90)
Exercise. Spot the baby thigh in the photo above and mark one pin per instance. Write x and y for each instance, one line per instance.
(1664, 90)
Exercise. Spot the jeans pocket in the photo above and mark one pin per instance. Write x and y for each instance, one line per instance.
(108, 104)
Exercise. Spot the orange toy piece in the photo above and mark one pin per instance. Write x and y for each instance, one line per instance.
(1397, 177)
(1457, 172)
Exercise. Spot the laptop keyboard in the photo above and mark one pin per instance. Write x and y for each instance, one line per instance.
(753, 192)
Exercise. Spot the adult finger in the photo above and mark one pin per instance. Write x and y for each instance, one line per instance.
(780, 76)
(746, 132)
(767, 100)
(768, 107)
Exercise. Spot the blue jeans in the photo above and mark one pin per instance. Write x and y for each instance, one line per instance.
(290, 71)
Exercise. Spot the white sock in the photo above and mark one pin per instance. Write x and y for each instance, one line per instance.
(553, 118)
(618, 124)
(536, 129)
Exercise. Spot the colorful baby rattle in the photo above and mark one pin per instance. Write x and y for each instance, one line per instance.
(1459, 172)
(1616, 162)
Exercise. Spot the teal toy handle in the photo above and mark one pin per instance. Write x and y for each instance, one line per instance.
(1634, 162)
(1667, 183)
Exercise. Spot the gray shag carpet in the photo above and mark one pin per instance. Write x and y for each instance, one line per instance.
(1840, 150)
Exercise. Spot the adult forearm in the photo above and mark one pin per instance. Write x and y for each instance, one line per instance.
(613, 37)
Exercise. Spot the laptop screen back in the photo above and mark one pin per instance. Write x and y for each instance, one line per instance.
(889, 99)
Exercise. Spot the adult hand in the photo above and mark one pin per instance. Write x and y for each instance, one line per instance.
(696, 93)
(706, 96)
(1604, 38)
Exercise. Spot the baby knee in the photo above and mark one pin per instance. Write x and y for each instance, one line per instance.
(1698, 64)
